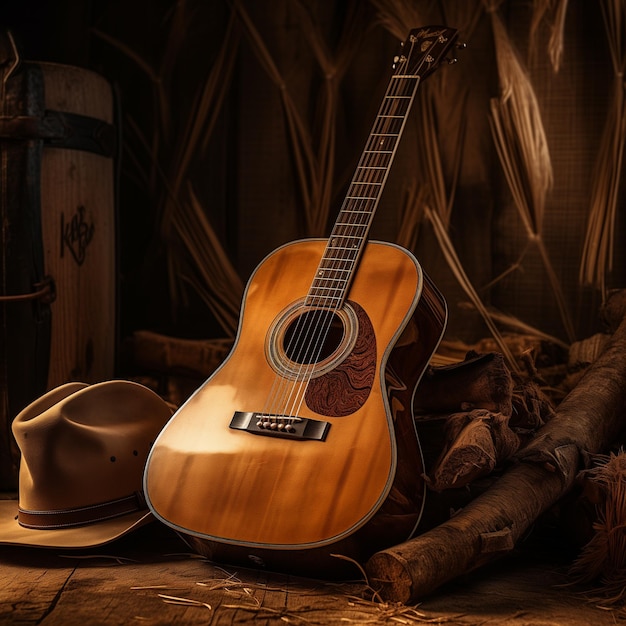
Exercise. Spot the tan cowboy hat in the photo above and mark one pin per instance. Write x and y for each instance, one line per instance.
(83, 449)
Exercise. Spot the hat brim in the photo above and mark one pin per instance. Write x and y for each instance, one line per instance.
(87, 536)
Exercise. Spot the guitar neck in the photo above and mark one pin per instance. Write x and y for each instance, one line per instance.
(350, 232)
(421, 55)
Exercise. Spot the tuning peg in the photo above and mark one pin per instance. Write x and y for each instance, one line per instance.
(453, 60)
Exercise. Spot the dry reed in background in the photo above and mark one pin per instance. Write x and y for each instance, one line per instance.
(598, 250)
(522, 146)
(199, 261)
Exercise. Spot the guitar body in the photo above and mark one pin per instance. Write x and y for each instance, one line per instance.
(240, 491)
(302, 445)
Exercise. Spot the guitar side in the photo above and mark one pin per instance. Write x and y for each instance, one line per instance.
(232, 487)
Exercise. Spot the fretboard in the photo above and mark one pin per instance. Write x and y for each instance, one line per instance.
(349, 234)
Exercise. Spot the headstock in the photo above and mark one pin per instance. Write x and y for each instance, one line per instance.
(424, 50)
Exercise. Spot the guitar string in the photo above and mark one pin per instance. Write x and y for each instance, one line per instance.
(342, 253)
(310, 357)
(326, 284)
(384, 141)
(351, 232)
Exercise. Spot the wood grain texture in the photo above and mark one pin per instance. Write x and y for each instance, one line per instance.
(345, 388)
(241, 489)
(585, 423)
(78, 221)
(126, 583)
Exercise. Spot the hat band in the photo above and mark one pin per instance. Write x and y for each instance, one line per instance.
(79, 516)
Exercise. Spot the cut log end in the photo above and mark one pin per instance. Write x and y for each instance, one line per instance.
(389, 573)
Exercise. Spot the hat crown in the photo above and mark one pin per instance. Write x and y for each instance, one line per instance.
(86, 445)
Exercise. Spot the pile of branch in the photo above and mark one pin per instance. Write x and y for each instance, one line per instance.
(585, 423)
(485, 413)
(503, 452)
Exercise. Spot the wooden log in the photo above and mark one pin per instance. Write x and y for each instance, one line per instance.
(478, 441)
(153, 352)
(586, 422)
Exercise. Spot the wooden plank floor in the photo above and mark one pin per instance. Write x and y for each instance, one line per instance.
(128, 581)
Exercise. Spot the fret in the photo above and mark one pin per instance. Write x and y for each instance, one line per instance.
(337, 259)
(372, 164)
(333, 247)
(326, 280)
(322, 301)
(373, 183)
(371, 188)
(392, 115)
(387, 127)
(337, 243)
(396, 111)
(338, 263)
(345, 248)
(373, 169)
(357, 228)
(334, 275)
(349, 262)
(321, 274)
(335, 298)
(374, 150)
(336, 237)
(341, 259)
(391, 110)
(328, 290)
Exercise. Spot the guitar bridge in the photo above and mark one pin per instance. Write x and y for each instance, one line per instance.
(299, 428)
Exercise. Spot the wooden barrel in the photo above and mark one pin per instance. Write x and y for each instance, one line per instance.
(78, 228)
(57, 235)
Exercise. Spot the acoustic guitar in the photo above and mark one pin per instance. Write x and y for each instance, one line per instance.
(302, 445)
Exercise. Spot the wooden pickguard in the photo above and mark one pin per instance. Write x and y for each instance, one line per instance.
(345, 389)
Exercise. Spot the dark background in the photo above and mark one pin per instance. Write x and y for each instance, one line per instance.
(244, 176)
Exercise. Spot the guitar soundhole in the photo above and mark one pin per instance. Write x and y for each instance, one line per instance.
(313, 337)
(316, 338)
